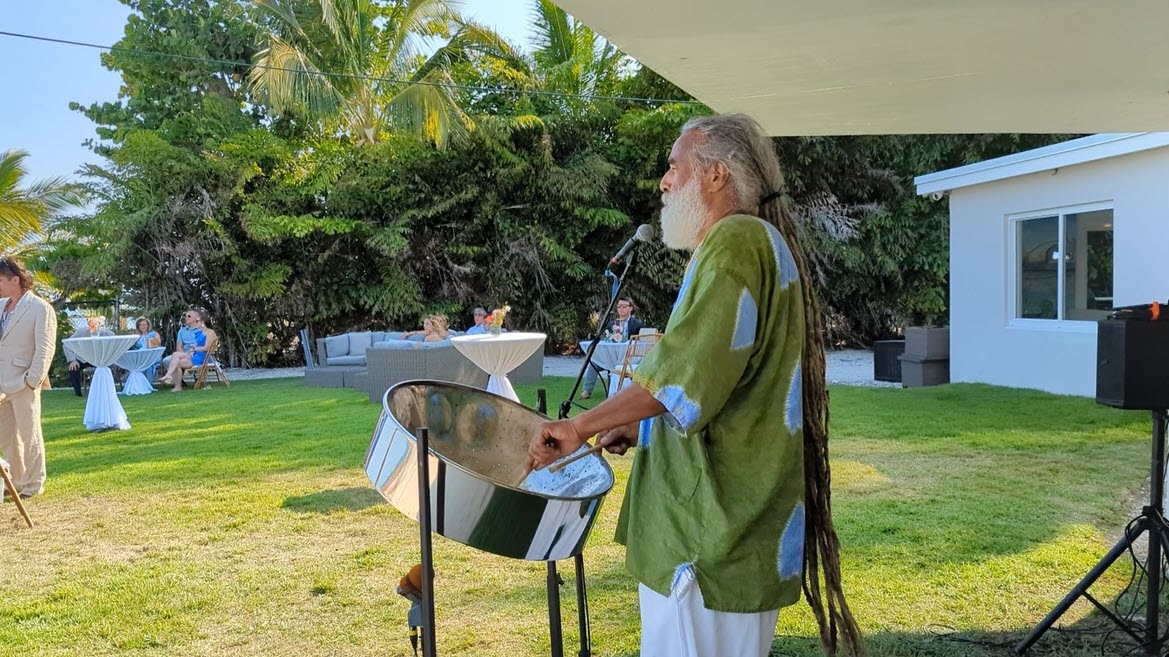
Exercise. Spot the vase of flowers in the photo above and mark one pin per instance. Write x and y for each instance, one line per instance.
(494, 321)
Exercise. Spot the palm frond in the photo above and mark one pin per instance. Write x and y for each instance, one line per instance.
(552, 33)
(409, 21)
(292, 80)
(24, 209)
(430, 111)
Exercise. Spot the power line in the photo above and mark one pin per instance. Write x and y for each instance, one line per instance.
(348, 76)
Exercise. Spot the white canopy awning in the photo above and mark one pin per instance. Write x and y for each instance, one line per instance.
(906, 66)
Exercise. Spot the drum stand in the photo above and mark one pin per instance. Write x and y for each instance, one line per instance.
(1151, 520)
(618, 282)
(554, 581)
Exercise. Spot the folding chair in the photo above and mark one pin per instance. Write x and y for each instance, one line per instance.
(210, 366)
(12, 493)
(639, 346)
(86, 379)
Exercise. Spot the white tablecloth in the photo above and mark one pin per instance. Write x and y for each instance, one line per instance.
(102, 408)
(136, 362)
(499, 354)
(608, 356)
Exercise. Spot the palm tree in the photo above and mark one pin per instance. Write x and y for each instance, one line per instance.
(358, 65)
(24, 209)
(570, 57)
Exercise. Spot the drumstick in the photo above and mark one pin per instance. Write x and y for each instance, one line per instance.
(596, 449)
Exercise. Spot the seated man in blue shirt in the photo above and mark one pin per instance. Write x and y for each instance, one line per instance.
(188, 332)
(480, 315)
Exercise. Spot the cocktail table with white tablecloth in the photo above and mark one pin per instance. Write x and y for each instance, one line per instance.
(609, 356)
(102, 408)
(499, 354)
(136, 362)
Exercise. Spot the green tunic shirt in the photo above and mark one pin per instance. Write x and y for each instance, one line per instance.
(717, 482)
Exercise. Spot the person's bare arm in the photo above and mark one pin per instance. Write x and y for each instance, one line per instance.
(554, 440)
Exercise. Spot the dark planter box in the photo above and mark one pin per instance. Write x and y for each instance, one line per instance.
(886, 360)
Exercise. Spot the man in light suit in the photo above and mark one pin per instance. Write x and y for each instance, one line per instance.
(28, 338)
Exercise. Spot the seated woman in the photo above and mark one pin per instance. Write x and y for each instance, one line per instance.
(434, 327)
(147, 337)
(185, 360)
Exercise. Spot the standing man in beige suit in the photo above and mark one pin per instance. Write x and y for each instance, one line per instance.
(28, 338)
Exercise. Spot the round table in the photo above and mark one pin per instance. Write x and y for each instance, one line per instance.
(136, 362)
(608, 356)
(102, 408)
(499, 354)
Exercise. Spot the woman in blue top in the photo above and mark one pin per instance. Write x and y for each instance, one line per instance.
(205, 340)
(147, 336)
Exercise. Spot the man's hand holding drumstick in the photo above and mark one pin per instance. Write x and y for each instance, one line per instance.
(614, 422)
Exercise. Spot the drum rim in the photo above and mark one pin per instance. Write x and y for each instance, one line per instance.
(453, 464)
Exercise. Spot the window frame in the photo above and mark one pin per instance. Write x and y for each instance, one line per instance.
(1012, 224)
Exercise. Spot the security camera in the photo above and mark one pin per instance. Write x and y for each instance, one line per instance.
(937, 196)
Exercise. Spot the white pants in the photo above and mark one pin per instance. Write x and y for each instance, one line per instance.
(682, 626)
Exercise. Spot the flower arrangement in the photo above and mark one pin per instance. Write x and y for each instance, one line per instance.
(494, 321)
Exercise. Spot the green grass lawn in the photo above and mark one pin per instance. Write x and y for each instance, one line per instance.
(238, 521)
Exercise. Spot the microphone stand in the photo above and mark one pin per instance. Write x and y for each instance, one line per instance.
(582, 601)
(567, 404)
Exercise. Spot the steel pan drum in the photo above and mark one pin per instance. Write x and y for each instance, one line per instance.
(479, 494)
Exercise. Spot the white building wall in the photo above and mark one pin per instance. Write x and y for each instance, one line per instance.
(1058, 357)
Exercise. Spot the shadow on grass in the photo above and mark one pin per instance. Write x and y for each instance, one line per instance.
(331, 501)
(1093, 637)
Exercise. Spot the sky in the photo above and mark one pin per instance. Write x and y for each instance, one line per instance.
(38, 80)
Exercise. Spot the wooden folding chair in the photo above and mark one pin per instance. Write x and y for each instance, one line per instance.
(210, 366)
(12, 494)
(639, 346)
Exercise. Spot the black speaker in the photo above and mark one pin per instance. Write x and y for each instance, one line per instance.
(1132, 363)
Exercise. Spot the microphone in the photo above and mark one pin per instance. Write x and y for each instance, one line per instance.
(645, 232)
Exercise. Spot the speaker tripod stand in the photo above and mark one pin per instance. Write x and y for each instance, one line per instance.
(1151, 520)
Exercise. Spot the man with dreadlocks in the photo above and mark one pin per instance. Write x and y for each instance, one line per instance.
(731, 478)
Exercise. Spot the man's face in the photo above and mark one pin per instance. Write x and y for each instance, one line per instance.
(190, 318)
(624, 308)
(479, 317)
(9, 286)
(684, 211)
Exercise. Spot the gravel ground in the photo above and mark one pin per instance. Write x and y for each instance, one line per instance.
(850, 367)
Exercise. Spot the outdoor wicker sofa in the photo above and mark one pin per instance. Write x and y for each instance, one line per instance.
(436, 361)
(372, 362)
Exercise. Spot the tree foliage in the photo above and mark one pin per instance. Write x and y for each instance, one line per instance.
(25, 206)
(282, 199)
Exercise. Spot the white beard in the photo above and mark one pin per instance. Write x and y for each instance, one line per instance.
(683, 216)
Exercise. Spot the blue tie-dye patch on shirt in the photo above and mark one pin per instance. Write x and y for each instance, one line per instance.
(722, 469)
(791, 545)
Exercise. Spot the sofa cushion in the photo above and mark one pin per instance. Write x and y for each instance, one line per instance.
(417, 337)
(359, 342)
(395, 344)
(394, 335)
(376, 337)
(346, 360)
(337, 345)
(436, 345)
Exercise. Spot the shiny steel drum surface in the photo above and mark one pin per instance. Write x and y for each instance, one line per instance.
(479, 495)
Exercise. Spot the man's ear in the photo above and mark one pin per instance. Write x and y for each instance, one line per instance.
(717, 177)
